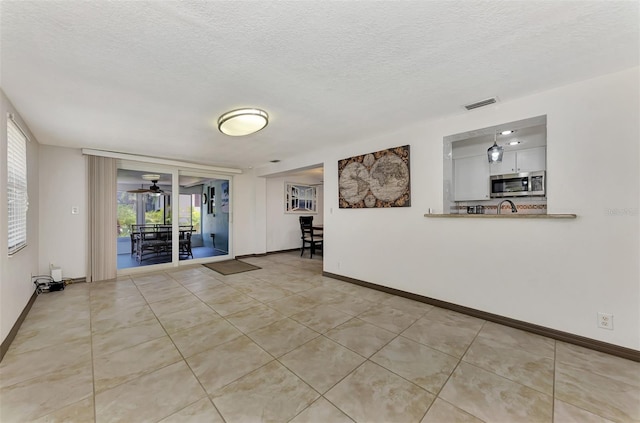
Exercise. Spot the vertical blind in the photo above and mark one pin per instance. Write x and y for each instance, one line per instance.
(103, 216)
(18, 200)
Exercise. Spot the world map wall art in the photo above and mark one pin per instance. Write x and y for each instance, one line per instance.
(375, 180)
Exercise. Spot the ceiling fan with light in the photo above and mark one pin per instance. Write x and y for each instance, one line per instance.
(153, 189)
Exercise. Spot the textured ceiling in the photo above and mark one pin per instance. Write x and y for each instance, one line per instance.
(152, 77)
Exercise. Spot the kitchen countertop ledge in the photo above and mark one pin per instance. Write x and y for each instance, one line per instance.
(505, 216)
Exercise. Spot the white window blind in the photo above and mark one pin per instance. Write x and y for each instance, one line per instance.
(18, 200)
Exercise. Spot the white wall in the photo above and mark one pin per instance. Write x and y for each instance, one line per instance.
(283, 229)
(63, 236)
(16, 286)
(554, 273)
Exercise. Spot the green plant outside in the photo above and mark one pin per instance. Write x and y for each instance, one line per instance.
(127, 217)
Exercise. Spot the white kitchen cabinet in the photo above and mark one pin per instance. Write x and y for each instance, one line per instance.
(471, 178)
(527, 160)
(531, 159)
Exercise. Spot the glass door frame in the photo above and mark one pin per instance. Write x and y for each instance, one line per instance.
(211, 175)
(175, 172)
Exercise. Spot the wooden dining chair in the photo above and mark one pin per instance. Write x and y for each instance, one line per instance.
(133, 234)
(185, 241)
(314, 241)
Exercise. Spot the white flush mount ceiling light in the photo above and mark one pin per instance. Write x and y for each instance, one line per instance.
(242, 122)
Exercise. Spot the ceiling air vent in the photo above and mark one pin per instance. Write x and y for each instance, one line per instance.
(480, 103)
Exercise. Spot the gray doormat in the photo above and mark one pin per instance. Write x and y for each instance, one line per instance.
(229, 267)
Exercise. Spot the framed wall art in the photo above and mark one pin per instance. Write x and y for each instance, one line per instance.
(375, 180)
(300, 198)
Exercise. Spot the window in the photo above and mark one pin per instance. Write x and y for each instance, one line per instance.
(18, 201)
(190, 210)
(300, 198)
(127, 209)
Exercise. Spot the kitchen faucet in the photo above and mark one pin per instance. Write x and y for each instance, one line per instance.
(513, 206)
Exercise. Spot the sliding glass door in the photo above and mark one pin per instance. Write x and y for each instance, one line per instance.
(144, 218)
(168, 216)
(205, 208)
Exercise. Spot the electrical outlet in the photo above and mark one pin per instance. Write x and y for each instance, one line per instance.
(605, 321)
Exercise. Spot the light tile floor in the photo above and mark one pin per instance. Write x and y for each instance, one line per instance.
(285, 344)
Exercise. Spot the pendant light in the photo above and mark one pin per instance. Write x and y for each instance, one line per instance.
(494, 153)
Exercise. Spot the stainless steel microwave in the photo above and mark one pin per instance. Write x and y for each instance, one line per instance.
(518, 184)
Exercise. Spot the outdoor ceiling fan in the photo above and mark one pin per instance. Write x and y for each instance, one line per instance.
(153, 189)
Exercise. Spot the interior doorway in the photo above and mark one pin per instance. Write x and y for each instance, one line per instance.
(289, 195)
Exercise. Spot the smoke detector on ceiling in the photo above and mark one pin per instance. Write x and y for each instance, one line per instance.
(481, 103)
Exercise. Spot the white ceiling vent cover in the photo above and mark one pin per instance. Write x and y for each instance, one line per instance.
(481, 103)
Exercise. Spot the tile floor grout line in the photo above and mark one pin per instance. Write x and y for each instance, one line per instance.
(39, 375)
(321, 395)
(410, 381)
(405, 379)
(456, 367)
(206, 393)
(390, 371)
(585, 370)
(70, 365)
(458, 408)
(93, 370)
(352, 350)
(256, 329)
(338, 382)
(433, 347)
(151, 371)
(336, 406)
(243, 376)
(478, 366)
(133, 345)
(366, 359)
(294, 348)
(311, 405)
(185, 362)
(507, 378)
(553, 389)
(380, 327)
(332, 386)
